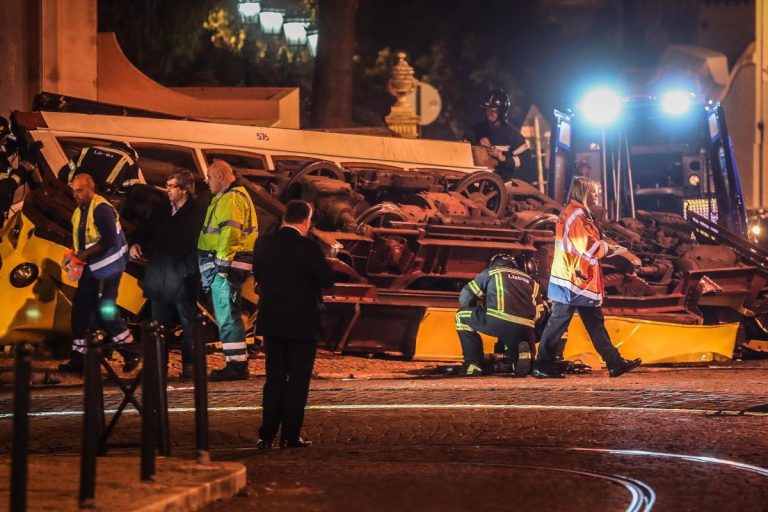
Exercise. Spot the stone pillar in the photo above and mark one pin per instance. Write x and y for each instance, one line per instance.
(47, 45)
(402, 119)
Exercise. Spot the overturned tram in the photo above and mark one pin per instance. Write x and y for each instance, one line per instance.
(417, 219)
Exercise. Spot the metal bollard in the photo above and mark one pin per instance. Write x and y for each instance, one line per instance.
(163, 437)
(201, 394)
(20, 443)
(92, 418)
(149, 387)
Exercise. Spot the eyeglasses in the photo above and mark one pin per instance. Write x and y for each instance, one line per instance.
(170, 185)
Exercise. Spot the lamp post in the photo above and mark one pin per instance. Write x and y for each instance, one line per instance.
(295, 32)
(271, 21)
(312, 37)
(249, 10)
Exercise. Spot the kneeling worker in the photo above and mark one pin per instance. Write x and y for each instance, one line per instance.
(500, 301)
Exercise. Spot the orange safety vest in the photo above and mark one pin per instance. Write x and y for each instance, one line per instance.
(576, 277)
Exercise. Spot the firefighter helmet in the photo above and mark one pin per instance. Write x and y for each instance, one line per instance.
(499, 100)
(503, 259)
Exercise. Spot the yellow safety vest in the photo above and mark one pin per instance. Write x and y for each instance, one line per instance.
(110, 262)
(228, 234)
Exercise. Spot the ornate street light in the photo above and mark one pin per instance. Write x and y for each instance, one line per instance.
(312, 36)
(295, 32)
(271, 21)
(249, 10)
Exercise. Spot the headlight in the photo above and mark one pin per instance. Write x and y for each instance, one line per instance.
(601, 106)
(676, 103)
(24, 275)
(694, 180)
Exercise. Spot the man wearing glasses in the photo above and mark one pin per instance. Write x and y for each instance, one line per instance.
(168, 242)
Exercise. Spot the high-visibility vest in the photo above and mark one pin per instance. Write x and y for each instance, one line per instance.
(576, 277)
(113, 259)
(229, 232)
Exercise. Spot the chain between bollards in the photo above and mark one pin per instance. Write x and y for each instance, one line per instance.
(92, 418)
(201, 393)
(20, 444)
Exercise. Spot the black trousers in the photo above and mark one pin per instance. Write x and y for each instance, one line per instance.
(94, 307)
(289, 365)
(167, 312)
(594, 321)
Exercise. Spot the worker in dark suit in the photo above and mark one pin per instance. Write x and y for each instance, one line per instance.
(291, 271)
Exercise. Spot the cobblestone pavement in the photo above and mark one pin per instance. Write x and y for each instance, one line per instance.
(400, 436)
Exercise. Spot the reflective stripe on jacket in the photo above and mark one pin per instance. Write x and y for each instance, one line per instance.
(509, 294)
(111, 260)
(226, 241)
(576, 277)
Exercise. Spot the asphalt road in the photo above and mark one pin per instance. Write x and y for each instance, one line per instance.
(397, 436)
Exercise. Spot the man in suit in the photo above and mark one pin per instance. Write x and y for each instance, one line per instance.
(291, 272)
(168, 243)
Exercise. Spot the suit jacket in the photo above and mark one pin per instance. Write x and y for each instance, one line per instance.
(170, 245)
(291, 272)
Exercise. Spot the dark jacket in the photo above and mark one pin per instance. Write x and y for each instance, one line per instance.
(519, 157)
(291, 272)
(169, 243)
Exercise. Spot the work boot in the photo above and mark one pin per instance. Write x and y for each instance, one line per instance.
(232, 371)
(74, 365)
(187, 371)
(524, 360)
(624, 366)
(471, 370)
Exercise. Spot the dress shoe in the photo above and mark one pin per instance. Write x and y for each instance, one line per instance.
(131, 357)
(295, 443)
(187, 371)
(230, 372)
(524, 360)
(546, 372)
(624, 366)
(263, 444)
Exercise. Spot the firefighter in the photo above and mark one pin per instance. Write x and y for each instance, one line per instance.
(114, 167)
(500, 301)
(225, 254)
(576, 284)
(100, 247)
(504, 142)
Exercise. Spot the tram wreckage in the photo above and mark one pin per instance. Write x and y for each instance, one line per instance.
(417, 219)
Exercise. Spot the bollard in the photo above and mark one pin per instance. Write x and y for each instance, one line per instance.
(149, 387)
(201, 394)
(20, 442)
(161, 363)
(92, 418)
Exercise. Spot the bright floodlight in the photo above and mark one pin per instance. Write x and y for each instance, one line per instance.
(676, 103)
(601, 106)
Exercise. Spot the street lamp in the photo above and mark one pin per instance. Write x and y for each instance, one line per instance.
(295, 32)
(271, 21)
(312, 36)
(249, 10)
